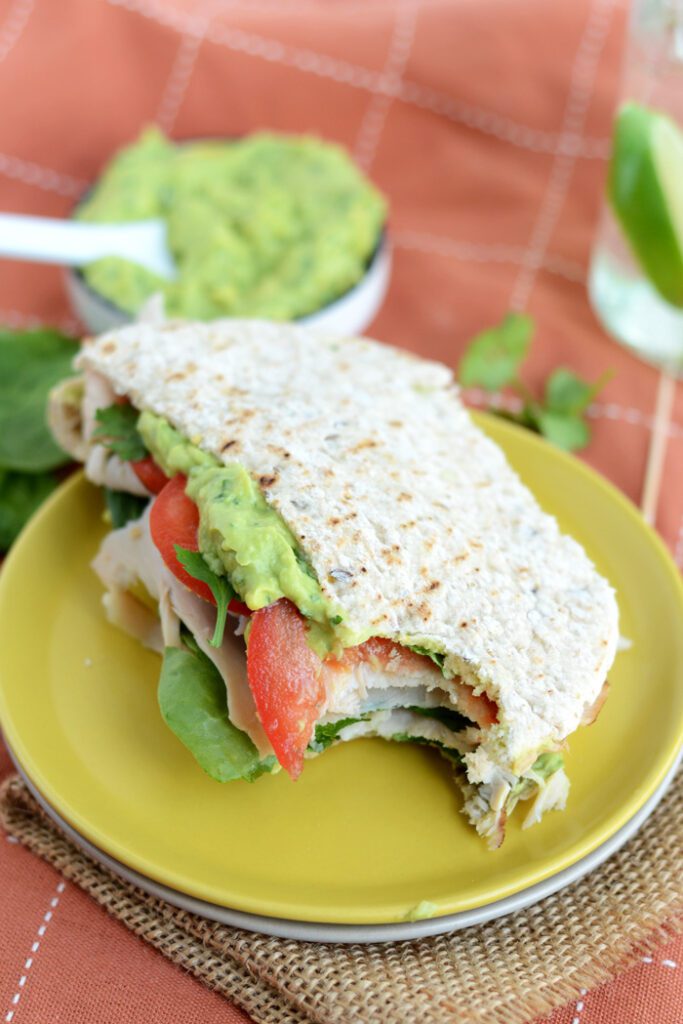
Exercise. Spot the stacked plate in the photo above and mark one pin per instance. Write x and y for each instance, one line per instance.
(368, 845)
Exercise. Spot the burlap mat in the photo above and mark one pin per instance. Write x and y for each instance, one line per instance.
(505, 972)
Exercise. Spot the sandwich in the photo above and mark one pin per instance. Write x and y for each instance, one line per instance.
(323, 546)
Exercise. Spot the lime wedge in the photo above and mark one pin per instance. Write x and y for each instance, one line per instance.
(645, 187)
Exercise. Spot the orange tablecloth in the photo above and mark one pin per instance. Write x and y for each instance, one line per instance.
(487, 125)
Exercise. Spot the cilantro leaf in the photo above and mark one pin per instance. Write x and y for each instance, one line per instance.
(123, 507)
(564, 430)
(494, 357)
(20, 496)
(492, 360)
(117, 429)
(193, 563)
(567, 393)
(451, 718)
(560, 418)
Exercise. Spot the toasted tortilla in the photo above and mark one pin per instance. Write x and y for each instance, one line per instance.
(412, 519)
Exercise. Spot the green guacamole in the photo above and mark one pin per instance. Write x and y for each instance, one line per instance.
(242, 537)
(269, 226)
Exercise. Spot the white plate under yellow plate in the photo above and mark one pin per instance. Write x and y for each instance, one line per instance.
(371, 829)
(309, 931)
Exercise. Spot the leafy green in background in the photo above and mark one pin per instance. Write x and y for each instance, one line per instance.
(20, 496)
(31, 362)
(493, 360)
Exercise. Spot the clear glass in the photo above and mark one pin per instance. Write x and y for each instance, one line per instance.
(623, 299)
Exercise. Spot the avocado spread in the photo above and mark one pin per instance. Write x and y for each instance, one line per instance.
(242, 537)
(269, 226)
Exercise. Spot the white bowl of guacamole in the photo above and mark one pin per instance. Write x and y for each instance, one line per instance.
(270, 226)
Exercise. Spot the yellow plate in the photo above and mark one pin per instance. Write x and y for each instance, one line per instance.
(371, 829)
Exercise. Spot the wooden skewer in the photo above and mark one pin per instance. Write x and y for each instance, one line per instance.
(666, 391)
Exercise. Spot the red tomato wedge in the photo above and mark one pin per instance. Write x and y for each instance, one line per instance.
(285, 679)
(480, 708)
(174, 519)
(380, 652)
(150, 475)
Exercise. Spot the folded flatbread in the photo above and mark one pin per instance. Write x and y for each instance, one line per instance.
(401, 521)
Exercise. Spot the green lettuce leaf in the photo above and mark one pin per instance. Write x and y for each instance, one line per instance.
(326, 734)
(31, 362)
(20, 496)
(194, 706)
(437, 658)
(117, 430)
(123, 507)
(223, 592)
(453, 720)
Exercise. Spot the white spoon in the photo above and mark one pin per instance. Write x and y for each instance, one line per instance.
(75, 244)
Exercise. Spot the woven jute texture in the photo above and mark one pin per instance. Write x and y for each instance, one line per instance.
(505, 972)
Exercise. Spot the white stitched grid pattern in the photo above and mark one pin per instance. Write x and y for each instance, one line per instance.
(375, 117)
(476, 252)
(578, 1009)
(671, 964)
(14, 25)
(30, 959)
(359, 77)
(178, 81)
(42, 177)
(580, 93)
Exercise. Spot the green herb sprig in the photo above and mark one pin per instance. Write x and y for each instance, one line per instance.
(118, 431)
(220, 587)
(493, 360)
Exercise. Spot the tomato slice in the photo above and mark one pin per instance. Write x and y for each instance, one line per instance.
(174, 519)
(150, 475)
(480, 708)
(285, 679)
